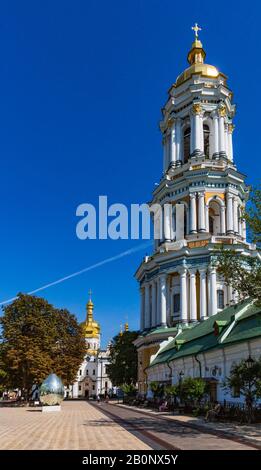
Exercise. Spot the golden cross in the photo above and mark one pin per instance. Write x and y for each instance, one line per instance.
(196, 28)
(90, 293)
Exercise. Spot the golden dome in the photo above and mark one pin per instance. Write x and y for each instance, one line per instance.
(196, 57)
(90, 326)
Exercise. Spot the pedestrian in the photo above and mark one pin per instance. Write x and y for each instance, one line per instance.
(98, 398)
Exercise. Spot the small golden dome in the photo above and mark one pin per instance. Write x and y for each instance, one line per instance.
(196, 57)
(90, 326)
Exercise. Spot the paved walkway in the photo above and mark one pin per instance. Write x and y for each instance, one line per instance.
(248, 433)
(168, 433)
(78, 426)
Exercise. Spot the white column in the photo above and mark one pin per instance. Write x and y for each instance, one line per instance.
(178, 139)
(213, 290)
(193, 299)
(167, 221)
(215, 133)
(153, 304)
(226, 139)
(209, 297)
(193, 213)
(222, 220)
(206, 218)
(147, 306)
(230, 141)
(221, 125)
(163, 295)
(235, 215)
(230, 224)
(165, 153)
(229, 294)
(203, 294)
(158, 302)
(201, 212)
(173, 143)
(142, 322)
(201, 133)
(197, 136)
(183, 295)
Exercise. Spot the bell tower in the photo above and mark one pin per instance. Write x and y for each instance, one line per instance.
(202, 195)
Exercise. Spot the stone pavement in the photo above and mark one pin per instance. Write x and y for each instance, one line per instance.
(248, 433)
(78, 426)
(169, 433)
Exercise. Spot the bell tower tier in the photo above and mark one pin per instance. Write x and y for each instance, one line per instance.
(202, 197)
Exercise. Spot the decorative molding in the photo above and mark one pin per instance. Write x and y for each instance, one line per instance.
(222, 110)
(197, 108)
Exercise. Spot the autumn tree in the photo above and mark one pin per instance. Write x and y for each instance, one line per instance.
(124, 359)
(38, 339)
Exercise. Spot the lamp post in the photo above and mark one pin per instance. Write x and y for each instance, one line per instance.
(249, 362)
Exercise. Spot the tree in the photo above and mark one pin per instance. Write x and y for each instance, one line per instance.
(247, 381)
(193, 389)
(243, 273)
(157, 389)
(38, 339)
(124, 359)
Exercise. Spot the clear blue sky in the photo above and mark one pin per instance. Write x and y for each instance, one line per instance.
(82, 85)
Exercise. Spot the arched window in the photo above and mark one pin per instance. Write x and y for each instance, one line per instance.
(220, 299)
(186, 144)
(206, 132)
(214, 218)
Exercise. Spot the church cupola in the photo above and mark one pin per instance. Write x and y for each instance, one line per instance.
(91, 329)
(197, 118)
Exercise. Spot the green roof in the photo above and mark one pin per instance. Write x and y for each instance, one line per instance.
(203, 337)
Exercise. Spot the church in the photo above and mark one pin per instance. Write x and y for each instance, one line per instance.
(203, 193)
(92, 377)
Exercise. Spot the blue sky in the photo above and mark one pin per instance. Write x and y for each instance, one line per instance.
(82, 85)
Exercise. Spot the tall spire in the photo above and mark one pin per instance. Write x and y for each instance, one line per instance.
(89, 306)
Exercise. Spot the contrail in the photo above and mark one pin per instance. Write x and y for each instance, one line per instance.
(89, 268)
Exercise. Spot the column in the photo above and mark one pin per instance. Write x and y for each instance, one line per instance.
(193, 298)
(229, 295)
(197, 128)
(222, 220)
(153, 304)
(213, 290)
(192, 132)
(203, 294)
(230, 141)
(147, 306)
(183, 295)
(163, 296)
(230, 224)
(193, 213)
(235, 215)
(221, 125)
(165, 153)
(215, 135)
(167, 221)
(178, 139)
(201, 133)
(201, 212)
(206, 218)
(244, 229)
(173, 143)
(142, 322)
(158, 302)
(226, 139)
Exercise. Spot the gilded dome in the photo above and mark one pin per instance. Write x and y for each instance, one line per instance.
(196, 57)
(90, 326)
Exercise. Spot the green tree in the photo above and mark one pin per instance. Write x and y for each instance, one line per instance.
(38, 339)
(247, 380)
(193, 389)
(124, 359)
(243, 273)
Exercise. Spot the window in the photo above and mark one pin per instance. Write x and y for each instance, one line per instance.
(93, 372)
(176, 303)
(93, 387)
(206, 140)
(87, 372)
(80, 387)
(186, 144)
(220, 299)
(106, 384)
(106, 370)
(80, 372)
